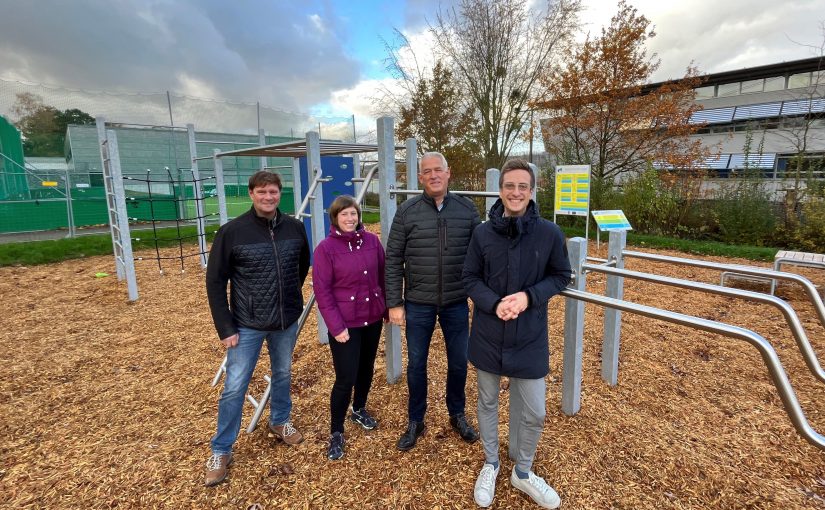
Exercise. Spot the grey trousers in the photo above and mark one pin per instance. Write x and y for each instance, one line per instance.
(527, 411)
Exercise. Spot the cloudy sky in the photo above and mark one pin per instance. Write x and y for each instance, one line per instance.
(326, 56)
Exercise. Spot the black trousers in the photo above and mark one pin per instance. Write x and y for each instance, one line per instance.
(354, 362)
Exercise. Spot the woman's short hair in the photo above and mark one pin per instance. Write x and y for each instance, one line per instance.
(341, 203)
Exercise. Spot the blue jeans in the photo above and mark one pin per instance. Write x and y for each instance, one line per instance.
(453, 320)
(240, 363)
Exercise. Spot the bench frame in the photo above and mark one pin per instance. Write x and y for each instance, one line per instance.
(783, 257)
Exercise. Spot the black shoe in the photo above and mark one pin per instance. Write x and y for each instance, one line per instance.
(363, 418)
(464, 429)
(335, 450)
(408, 439)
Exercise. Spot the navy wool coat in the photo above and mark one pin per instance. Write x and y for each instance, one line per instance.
(508, 255)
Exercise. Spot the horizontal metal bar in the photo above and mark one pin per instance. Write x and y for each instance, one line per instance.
(466, 193)
(809, 287)
(775, 369)
(220, 142)
(798, 331)
(252, 400)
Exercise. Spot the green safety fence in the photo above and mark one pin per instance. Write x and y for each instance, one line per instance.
(89, 209)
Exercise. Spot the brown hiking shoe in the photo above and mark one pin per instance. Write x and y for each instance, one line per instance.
(216, 469)
(286, 433)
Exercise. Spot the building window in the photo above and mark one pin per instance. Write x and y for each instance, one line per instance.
(800, 80)
(705, 92)
(774, 83)
(728, 89)
(751, 86)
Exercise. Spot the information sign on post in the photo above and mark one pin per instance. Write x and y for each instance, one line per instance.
(610, 220)
(573, 192)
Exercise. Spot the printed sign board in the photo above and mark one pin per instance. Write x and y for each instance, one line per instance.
(611, 220)
(572, 190)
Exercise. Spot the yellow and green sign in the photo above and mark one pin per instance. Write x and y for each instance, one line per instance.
(572, 190)
(611, 220)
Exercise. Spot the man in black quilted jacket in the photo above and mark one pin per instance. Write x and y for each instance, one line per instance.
(424, 258)
(265, 254)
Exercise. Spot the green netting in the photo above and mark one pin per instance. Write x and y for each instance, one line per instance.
(12, 174)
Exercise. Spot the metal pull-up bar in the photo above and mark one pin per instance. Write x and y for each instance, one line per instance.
(769, 356)
(787, 310)
(809, 287)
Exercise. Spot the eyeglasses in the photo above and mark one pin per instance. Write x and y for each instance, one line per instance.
(436, 171)
(511, 186)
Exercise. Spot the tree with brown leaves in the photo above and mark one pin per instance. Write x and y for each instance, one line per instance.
(602, 113)
(439, 119)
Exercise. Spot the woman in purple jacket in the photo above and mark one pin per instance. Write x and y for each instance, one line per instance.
(348, 279)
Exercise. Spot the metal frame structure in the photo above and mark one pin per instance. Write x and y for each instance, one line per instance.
(116, 206)
(576, 296)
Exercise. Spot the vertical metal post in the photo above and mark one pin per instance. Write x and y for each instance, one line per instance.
(261, 139)
(491, 185)
(354, 137)
(356, 174)
(297, 188)
(613, 317)
(316, 207)
(412, 163)
(573, 331)
(197, 191)
(217, 164)
(128, 259)
(104, 162)
(535, 170)
(386, 183)
(69, 205)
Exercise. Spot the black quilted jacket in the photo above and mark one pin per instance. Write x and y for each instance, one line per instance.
(267, 263)
(426, 249)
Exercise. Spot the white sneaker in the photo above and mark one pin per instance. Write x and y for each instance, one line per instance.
(486, 485)
(535, 487)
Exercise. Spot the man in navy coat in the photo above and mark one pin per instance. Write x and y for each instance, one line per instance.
(515, 263)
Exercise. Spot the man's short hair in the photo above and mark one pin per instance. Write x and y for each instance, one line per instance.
(263, 178)
(339, 204)
(433, 155)
(516, 164)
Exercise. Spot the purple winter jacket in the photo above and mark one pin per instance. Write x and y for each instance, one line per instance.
(348, 279)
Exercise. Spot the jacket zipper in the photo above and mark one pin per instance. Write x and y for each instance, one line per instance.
(280, 278)
(442, 246)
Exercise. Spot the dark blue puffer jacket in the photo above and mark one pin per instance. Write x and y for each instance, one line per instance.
(267, 263)
(509, 255)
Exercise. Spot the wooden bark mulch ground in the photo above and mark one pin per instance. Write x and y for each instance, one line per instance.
(107, 404)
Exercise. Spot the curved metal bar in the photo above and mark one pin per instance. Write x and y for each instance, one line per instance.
(809, 287)
(777, 372)
(256, 417)
(370, 174)
(787, 310)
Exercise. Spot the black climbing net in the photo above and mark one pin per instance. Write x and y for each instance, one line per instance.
(168, 208)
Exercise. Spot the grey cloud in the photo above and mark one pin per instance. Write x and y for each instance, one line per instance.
(243, 50)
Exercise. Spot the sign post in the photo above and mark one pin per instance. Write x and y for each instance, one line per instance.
(609, 221)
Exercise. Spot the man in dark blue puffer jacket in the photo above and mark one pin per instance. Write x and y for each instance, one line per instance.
(265, 254)
(516, 262)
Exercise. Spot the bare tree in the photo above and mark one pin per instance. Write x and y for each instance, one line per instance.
(498, 49)
(806, 169)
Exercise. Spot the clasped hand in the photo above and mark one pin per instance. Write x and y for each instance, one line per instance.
(511, 306)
